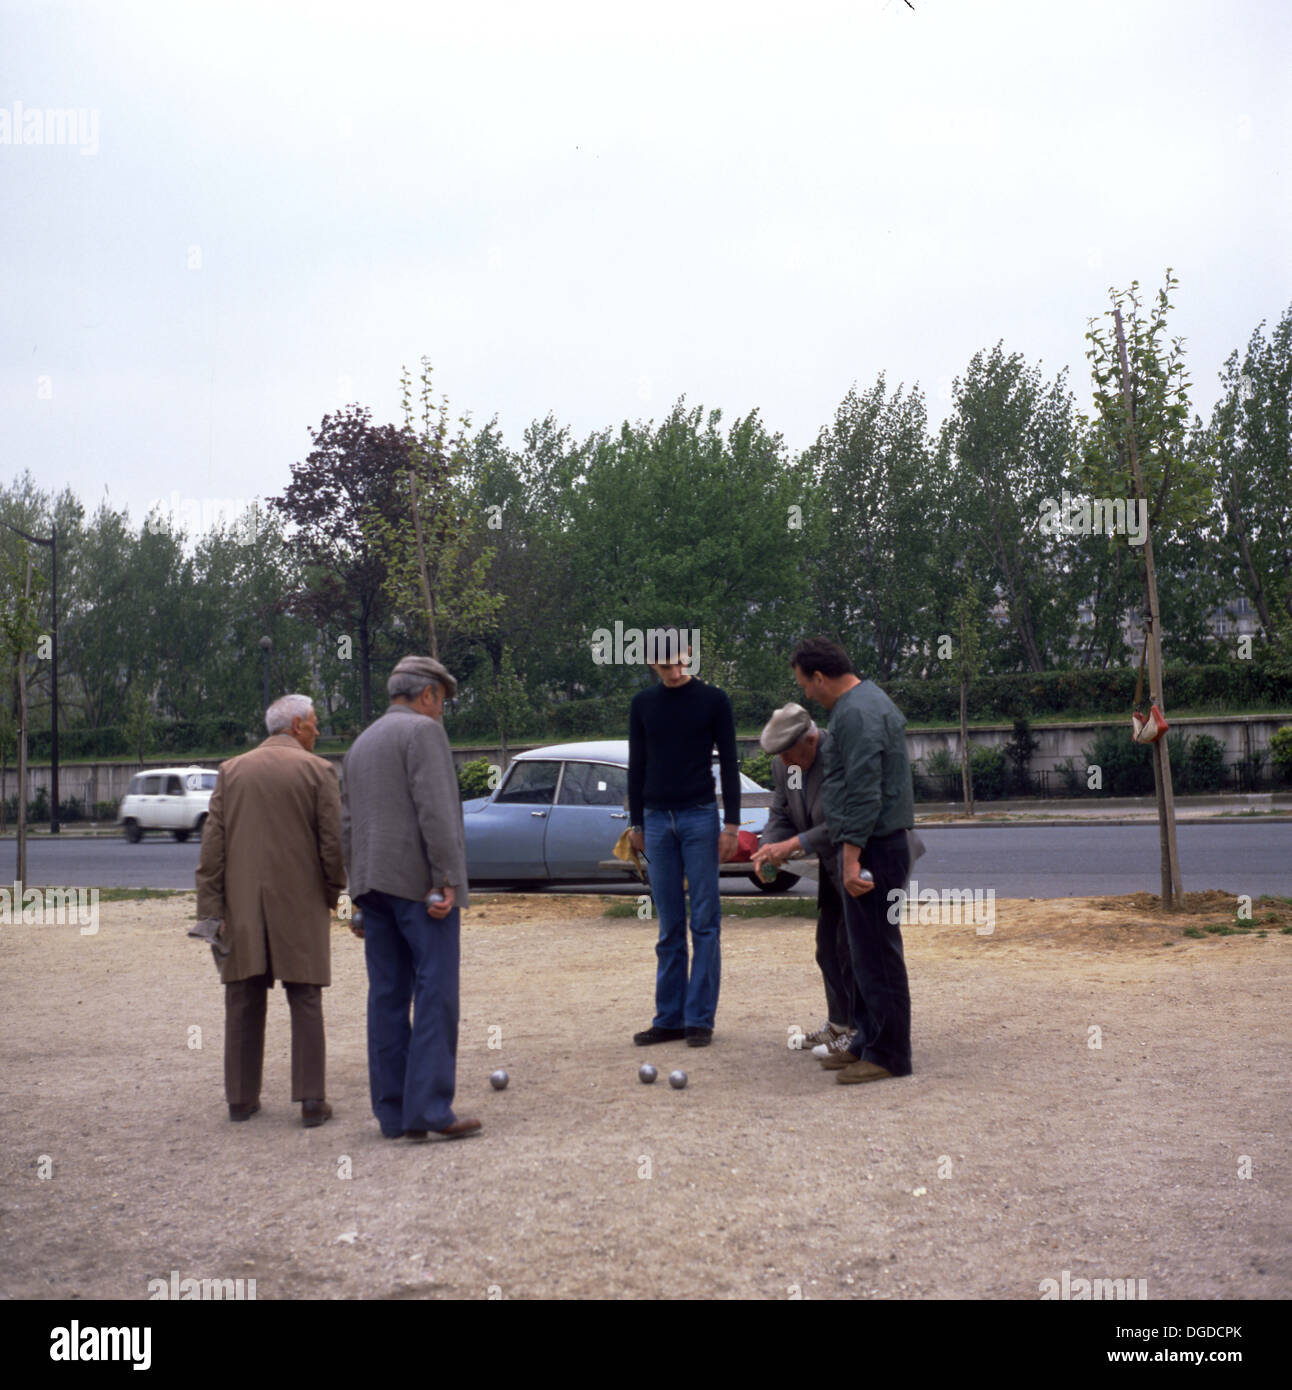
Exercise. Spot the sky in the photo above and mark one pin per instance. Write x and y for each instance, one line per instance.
(259, 213)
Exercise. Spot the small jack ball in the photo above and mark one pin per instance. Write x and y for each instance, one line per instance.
(499, 1080)
(677, 1079)
(646, 1073)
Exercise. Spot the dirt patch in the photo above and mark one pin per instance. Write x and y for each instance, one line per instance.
(1094, 1091)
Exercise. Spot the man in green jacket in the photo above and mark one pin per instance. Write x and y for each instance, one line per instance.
(869, 807)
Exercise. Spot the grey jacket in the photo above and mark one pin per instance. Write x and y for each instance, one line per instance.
(801, 811)
(401, 815)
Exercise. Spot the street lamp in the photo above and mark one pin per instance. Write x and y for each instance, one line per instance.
(52, 542)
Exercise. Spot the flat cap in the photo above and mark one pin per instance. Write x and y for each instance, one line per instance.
(786, 726)
(427, 668)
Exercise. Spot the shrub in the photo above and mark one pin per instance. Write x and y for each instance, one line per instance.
(1071, 777)
(1126, 768)
(941, 763)
(38, 806)
(1205, 764)
(759, 767)
(1281, 752)
(71, 810)
(1018, 754)
(988, 770)
(473, 778)
(105, 810)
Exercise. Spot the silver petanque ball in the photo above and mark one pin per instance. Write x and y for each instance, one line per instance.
(677, 1079)
(499, 1079)
(646, 1073)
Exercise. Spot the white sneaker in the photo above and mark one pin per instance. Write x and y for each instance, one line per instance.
(822, 1035)
(842, 1037)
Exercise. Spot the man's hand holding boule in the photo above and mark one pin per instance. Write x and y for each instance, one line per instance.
(728, 844)
(442, 909)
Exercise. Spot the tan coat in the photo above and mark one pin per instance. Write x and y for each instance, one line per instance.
(271, 863)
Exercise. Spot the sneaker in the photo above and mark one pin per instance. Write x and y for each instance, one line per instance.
(658, 1035)
(838, 1053)
(823, 1034)
(699, 1037)
(844, 1037)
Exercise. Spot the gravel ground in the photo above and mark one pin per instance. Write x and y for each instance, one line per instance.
(1016, 1151)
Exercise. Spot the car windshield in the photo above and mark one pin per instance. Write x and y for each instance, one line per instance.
(747, 784)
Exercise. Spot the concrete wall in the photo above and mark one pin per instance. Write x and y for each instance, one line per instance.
(1241, 736)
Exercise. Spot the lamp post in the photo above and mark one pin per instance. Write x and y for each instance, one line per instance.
(265, 643)
(52, 542)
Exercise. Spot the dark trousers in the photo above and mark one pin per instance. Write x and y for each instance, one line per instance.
(244, 1039)
(833, 955)
(413, 961)
(883, 999)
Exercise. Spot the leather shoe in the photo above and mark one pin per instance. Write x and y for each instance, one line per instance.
(244, 1112)
(459, 1129)
(699, 1037)
(314, 1113)
(658, 1035)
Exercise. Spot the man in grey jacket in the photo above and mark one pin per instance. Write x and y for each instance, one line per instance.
(797, 824)
(405, 854)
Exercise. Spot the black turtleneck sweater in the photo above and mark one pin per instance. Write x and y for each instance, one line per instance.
(671, 738)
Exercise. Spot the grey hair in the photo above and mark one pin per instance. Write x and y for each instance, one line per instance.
(279, 715)
(409, 685)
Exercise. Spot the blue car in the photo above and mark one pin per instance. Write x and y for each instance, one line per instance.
(556, 814)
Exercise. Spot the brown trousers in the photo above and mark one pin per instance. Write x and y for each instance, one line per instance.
(245, 1004)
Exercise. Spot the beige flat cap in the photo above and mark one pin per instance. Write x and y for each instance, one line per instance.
(786, 726)
(427, 668)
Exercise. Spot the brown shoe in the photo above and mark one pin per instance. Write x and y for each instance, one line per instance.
(863, 1071)
(459, 1129)
(244, 1112)
(314, 1113)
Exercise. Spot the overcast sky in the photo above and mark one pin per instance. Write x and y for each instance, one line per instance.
(267, 210)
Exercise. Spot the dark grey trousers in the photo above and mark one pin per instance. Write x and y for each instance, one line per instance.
(833, 954)
(244, 1039)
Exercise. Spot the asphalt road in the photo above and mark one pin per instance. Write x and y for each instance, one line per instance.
(1014, 861)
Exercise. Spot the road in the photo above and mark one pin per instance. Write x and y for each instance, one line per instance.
(1014, 861)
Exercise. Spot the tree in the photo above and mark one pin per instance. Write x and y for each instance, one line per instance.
(353, 479)
(435, 575)
(1249, 447)
(1138, 451)
(871, 535)
(1003, 451)
(967, 664)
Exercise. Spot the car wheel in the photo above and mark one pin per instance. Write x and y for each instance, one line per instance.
(133, 833)
(779, 884)
(180, 835)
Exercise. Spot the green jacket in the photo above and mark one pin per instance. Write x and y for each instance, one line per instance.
(868, 788)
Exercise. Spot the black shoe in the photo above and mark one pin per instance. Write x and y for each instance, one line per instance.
(699, 1037)
(654, 1035)
(244, 1112)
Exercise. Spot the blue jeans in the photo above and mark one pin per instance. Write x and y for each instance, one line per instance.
(412, 960)
(678, 844)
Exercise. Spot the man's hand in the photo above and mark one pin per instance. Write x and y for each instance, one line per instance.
(356, 923)
(854, 885)
(775, 854)
(728, 844)
(441, 910)
(637, 839)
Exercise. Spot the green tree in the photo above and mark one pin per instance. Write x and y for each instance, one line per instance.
(871, 534)
(1248, 444)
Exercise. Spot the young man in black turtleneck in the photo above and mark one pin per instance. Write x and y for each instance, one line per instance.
(672, 730)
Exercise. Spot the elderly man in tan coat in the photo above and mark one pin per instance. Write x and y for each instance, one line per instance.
(272, 869)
